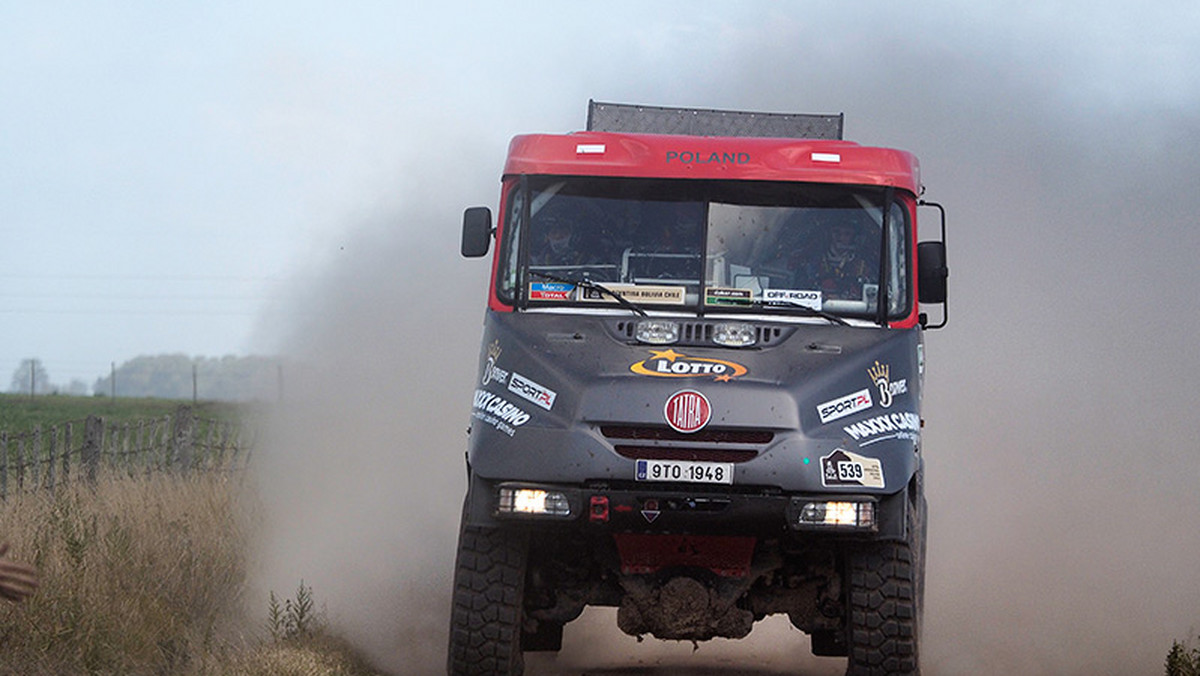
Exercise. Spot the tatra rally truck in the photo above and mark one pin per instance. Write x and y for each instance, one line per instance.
(699, 388)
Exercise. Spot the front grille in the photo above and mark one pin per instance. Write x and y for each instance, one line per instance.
(714, 436)
(664, 443)
(685, 453)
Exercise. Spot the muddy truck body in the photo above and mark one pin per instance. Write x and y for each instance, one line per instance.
(699, 388)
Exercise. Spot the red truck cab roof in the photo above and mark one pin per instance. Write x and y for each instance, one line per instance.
(712, 157)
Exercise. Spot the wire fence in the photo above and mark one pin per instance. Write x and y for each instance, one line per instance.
(78, 450)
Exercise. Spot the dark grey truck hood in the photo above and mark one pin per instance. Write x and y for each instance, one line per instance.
(573, 399)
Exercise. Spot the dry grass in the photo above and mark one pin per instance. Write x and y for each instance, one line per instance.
(144, 575)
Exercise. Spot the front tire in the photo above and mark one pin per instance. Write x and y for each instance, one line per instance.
(886, 599)
(489, 591)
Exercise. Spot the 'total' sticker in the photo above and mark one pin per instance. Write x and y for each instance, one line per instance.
(687, 411)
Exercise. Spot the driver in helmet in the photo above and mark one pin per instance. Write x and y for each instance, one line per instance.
(843, 268)
(559, 242)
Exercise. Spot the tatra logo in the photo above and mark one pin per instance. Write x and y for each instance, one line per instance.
(687, 411)
(688, 157)
(887, 388)
(672, 364)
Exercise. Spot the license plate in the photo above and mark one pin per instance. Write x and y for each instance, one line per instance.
(688, 471)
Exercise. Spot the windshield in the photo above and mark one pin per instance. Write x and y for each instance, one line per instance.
(704, 245)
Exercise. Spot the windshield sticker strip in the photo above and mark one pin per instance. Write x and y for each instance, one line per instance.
(663, 295)
(726, 296)
(809, 299)
(550, 291)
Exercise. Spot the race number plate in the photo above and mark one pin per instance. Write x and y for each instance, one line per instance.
(687, 471)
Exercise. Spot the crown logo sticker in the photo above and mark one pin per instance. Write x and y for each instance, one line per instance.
(490, 370)
(879, 372)
(881, 377)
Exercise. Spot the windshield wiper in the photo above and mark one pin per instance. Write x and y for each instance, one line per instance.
(812, 312)
(589, 284)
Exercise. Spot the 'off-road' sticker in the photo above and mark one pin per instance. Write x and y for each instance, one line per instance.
(527, 389)
(844, 406)
(671, 364)
(843, 468)
(809, 299)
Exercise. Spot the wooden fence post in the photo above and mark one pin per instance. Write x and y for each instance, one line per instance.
(3, 464)
(181, 438)
(93, 438)
(66, 456)
(51, 458)
(35, 457)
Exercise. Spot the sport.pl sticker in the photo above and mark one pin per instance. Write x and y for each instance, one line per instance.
(672, 364)
(843, 468)
(844, 406)
(527, 389)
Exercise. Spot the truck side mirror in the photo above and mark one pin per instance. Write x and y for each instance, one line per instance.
(932, 272)
(477, 232)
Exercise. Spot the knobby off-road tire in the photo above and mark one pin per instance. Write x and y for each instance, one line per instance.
(489, 590)
(886, 599)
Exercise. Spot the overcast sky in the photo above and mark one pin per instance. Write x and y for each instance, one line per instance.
(169, 168)
(228, 178)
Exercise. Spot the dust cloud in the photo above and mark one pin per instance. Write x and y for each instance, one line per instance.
(1061, 437)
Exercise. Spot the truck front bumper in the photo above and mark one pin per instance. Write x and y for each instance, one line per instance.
(656, 508)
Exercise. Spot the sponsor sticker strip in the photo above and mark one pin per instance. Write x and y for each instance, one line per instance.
(527, 389)
(663, 295)
(672, 364)
(844, 406)
(494, 410)
(887, 426)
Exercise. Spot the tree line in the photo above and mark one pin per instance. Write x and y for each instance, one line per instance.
(166, 376)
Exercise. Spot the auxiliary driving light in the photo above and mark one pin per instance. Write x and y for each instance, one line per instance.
(532, 501)
(734, 334)
(657, 331)
(856, 515)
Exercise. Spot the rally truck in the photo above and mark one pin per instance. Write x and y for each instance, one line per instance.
(699, 388)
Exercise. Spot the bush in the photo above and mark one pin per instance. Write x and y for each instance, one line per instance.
(137, 575)
(1183, 661)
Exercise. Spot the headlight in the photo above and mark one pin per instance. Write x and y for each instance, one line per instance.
(532, 501)
(836, 514)
(734, 334)
(657, 332)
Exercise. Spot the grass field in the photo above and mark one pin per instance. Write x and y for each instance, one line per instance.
(19, 413)
(147, 574)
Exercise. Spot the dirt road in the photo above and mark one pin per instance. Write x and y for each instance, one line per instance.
(593, 646)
